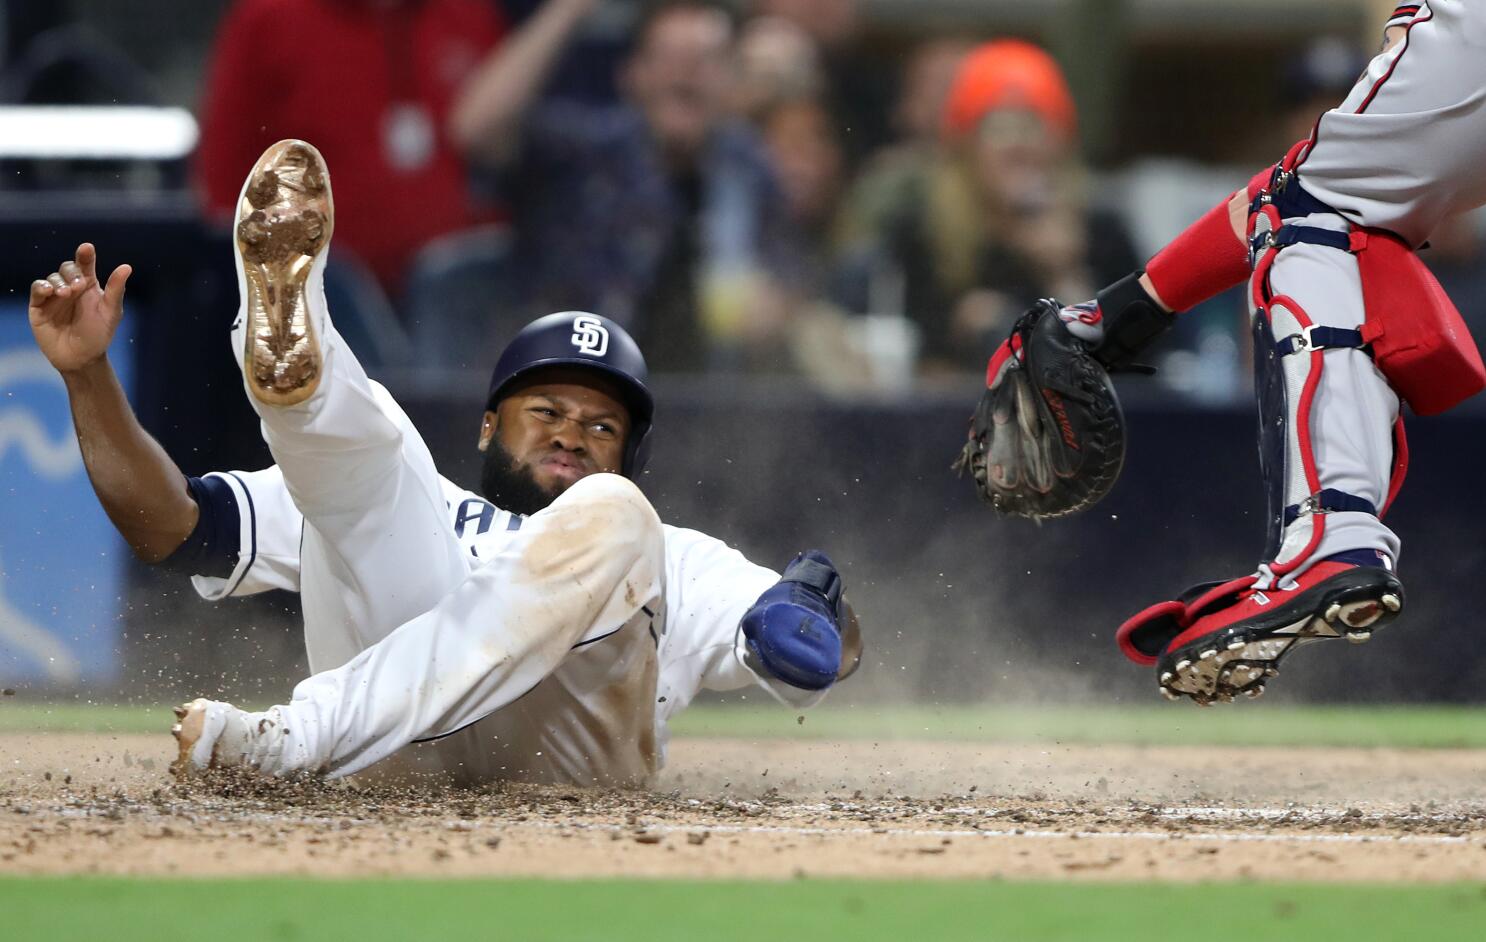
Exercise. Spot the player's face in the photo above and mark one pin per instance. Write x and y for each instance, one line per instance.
(559, 429)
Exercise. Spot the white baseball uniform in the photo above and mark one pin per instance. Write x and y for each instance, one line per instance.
(1403, 151)
(1400, 153)
(550, 648)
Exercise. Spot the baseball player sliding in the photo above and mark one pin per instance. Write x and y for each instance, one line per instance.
(1347, 322)
(545, 631)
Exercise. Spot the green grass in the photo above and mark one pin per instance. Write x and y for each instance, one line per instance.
(1176, 724)
(1256, 723)
(72, 717)
(124, 910)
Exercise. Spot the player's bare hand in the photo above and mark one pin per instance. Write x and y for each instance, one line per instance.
(73, 316)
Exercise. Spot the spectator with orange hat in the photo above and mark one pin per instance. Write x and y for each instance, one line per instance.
(1002, 218)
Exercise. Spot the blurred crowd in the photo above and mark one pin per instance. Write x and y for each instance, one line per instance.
(749, 186)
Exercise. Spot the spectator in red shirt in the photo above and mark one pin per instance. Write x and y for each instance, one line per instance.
(371, 84)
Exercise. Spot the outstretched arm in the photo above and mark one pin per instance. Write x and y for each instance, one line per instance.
(1207, 258)
(73, 317)
(1047, 438)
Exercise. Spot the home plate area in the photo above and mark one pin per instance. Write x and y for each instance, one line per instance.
(104, 803)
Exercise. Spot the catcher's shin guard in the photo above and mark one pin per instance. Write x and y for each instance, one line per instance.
(1220, 640)
(1331, 443)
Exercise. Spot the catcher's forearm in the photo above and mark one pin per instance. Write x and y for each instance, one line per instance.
(1210, 256)
(141, 489)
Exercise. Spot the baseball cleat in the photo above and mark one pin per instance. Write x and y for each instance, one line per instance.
(1225, 639)
(284, 220)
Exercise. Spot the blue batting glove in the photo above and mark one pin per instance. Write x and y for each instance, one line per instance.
(794, 627)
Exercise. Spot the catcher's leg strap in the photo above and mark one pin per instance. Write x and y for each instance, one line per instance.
(1330, 500)
(1318, 338)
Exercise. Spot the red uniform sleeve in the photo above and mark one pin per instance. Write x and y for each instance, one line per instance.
(242, 88)
(1207, 259)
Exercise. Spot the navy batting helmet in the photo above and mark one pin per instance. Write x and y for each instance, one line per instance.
(586, 341)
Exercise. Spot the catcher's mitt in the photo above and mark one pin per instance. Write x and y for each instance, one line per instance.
(1048, 438)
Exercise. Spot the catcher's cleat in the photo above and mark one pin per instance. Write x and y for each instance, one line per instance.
(1223, 640)
(284, 220)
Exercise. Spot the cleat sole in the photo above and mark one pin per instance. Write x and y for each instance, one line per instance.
(1240, 658)
(285, 219)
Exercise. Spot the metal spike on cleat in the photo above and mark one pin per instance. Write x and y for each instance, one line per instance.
(1181, 666)
(1170, 694)
(1359, 637)
(1334, 611)
(1254, 692)
(1236, 645)
(1392, 602)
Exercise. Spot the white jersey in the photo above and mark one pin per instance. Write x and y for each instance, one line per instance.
(1404, 150)
(602, 715)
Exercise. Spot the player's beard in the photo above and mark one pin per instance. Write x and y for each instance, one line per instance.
(512, 486)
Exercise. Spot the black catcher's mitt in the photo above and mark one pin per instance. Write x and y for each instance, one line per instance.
(1048, 438)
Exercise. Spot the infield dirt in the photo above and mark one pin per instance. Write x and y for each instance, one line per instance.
(101, 803)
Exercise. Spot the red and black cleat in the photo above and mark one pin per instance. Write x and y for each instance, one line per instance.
(1222, 639)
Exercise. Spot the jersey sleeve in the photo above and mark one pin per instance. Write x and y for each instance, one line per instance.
(265, 554)
(1403, 15)
(709, 587)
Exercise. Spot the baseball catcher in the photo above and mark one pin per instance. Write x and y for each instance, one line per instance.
(1347, 324)
(546, 630)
